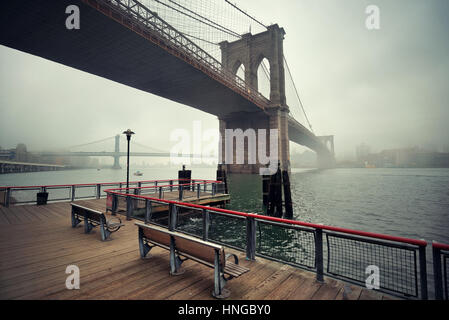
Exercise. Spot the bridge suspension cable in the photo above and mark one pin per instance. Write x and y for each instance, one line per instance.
(93, 142)
(297, 94)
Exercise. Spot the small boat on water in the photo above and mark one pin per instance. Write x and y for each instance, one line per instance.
(138, 173)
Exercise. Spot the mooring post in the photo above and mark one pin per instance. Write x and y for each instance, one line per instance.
(288, 214)
(265, 189)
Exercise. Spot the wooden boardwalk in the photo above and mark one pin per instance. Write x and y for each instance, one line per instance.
(37, 243)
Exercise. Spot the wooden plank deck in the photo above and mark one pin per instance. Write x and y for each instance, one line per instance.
(37, 243)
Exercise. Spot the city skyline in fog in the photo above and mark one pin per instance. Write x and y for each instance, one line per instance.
(386, 88)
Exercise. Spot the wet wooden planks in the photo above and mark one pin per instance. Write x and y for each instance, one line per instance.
(37, 243)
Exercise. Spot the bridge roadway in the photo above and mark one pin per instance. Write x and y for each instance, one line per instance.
(116, 51)
(37, 243)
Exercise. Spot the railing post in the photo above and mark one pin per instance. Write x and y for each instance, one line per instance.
(172, 217)
(155, 186)
(129, 207)
(148, 209)
(198, 191)
(437, 274)
(8, 197)
(171, 185)
(423, 272)
(73, 192)
(98, 190)
(214, 188)
(205, 186)
(139, 184)
(250, 239)
(206, 224)
(180, 188)
(160, 192)
(319, 255)
(114, 204)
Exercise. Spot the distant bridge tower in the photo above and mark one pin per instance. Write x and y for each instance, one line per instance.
(250, 51)
(117, 152)
(326, 160)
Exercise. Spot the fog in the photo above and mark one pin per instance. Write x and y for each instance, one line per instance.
(387, 88)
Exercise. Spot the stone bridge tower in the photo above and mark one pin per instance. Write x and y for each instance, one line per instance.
(249, 51)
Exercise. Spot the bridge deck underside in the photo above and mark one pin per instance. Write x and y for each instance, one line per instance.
(108, 49)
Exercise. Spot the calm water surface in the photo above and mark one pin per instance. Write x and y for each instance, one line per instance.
(404, 202)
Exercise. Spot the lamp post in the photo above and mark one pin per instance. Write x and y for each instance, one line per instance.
(128, 138)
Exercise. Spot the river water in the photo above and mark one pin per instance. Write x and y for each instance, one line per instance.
(403, 202)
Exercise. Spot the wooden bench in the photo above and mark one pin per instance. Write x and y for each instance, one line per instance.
(93, 218)
(204, 252)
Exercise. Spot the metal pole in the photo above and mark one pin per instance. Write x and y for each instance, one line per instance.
(147, 210)
(129, 208)
(319, 255)
(206, 223)
(423, 272)
(250, 239)
(437, 274)
(8, 197)
(127, 165)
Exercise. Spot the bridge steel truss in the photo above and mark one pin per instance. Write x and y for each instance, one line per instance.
(138, 18)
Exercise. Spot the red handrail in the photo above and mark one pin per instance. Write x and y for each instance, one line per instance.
(107, 183)
(421, 243)
(441, 246)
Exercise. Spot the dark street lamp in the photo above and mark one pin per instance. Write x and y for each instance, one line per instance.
(128, 137)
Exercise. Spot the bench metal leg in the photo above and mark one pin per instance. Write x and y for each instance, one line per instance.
(144, 248)
(75, 220)
(105, 233)
(219, 281)
(175, 261)
(87, 225)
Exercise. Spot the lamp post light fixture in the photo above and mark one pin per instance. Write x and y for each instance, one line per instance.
(128, 133)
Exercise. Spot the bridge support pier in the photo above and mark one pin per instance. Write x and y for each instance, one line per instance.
(116, 164)
(249, 143)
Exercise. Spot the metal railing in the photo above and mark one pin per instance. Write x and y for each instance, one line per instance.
(335, 252)
(440, 253)
(137, 17)
(69, 192)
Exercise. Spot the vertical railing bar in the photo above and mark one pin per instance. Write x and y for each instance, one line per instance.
(8, 197)
(437, 274)
(206, 224)
(423, 272)
(319, 265)
(148, 210)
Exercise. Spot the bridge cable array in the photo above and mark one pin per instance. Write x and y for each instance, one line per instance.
(224, 21)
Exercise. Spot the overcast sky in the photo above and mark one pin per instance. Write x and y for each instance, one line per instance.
(387, 88)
